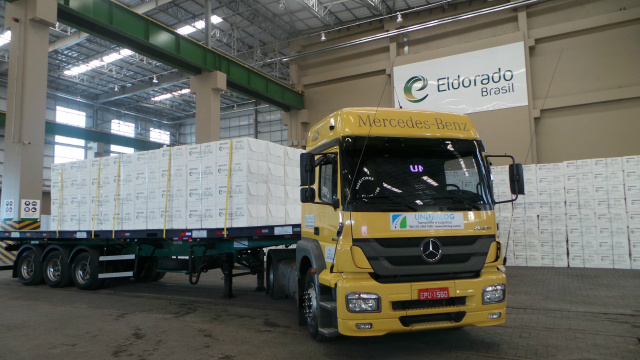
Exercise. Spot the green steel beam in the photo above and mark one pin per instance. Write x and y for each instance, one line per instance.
(124, 27)
(55, 128)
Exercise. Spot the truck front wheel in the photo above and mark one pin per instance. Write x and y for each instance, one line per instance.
(311, 306)
(30, 267)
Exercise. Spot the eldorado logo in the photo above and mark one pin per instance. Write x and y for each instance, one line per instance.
(420, 81)
(398, 221)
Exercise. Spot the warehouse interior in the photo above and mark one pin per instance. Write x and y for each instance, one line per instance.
(582, 90)
(454, 179)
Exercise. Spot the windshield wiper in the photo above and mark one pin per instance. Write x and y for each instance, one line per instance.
(393, 198)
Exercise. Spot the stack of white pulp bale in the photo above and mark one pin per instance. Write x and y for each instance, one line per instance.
(234, 183)
(581, 213)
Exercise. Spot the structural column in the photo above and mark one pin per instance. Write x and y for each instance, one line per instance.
(29, 22)
(207, 88)
(297, 123)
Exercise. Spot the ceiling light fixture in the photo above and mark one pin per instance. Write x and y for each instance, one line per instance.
(155, 80)
(322, 37)
(399, 21)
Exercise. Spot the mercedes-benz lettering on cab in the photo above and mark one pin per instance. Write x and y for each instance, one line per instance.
(400, 205)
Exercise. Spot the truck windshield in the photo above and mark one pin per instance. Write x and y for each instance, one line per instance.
(411, 174)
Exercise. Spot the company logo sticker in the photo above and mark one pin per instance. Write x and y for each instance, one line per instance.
(415, 81)
(427, 221)
(398, 221)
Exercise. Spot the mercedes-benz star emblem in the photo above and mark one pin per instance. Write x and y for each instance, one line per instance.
(431, 250)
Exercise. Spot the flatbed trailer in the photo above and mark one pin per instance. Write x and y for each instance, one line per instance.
(88, 258)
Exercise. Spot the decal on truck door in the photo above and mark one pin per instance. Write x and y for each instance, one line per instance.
(329, 253)
(427, 221)
(309, 221)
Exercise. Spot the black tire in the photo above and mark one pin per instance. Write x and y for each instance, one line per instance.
(85, 271)
(147, 270)
(56, 270)
(274, 288)
(311, 306)
(159, 275)
(30, 267)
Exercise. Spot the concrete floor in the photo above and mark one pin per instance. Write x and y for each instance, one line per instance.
(553, 313)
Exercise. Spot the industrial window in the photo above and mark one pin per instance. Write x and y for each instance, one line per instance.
(123, 128)
(116, 149)
(159, 135)
(69, 149)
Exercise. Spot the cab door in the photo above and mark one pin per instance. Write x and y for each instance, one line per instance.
(322, 216)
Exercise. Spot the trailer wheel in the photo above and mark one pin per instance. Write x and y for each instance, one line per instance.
(30, 267)
(311, 306)
(56, 270)
(85, 272)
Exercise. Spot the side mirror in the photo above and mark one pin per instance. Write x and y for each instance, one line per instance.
(335, 202)
(307, 195)
(307, 170)
(516, 179)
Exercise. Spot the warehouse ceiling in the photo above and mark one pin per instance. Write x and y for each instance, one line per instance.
(256, 32)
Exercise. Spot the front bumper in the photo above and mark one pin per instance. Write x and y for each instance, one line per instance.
(464, 309)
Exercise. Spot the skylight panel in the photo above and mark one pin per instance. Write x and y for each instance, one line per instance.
(198, 25)
(96, 63)
(175, 93)
(5, 38)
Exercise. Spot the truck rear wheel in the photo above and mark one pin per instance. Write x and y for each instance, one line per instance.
(147, 270)
(85, 271)
(56, 270)
(30, 267)
(274, 289)
(279, 265)
(311, 306)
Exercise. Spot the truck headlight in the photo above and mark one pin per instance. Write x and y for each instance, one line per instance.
(363, 302)
(493, 294)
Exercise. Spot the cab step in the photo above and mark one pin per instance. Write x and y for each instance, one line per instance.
(329, 332)
(329, 305)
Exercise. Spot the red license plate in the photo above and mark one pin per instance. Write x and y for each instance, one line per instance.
(433, 294)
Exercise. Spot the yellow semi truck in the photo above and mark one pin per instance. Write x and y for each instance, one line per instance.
(398, 231)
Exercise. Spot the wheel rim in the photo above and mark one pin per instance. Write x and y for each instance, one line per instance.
(54, 268)
(27, 267)
(82, 272)
(309, 305)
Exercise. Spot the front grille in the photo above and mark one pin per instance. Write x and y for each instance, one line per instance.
(446, 318)
(428, 304)
(402, 257)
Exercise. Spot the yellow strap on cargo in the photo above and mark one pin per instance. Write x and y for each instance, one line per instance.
(115, 206)
(226, 208)
(60, 199)
(166, 198)
(95, 206)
